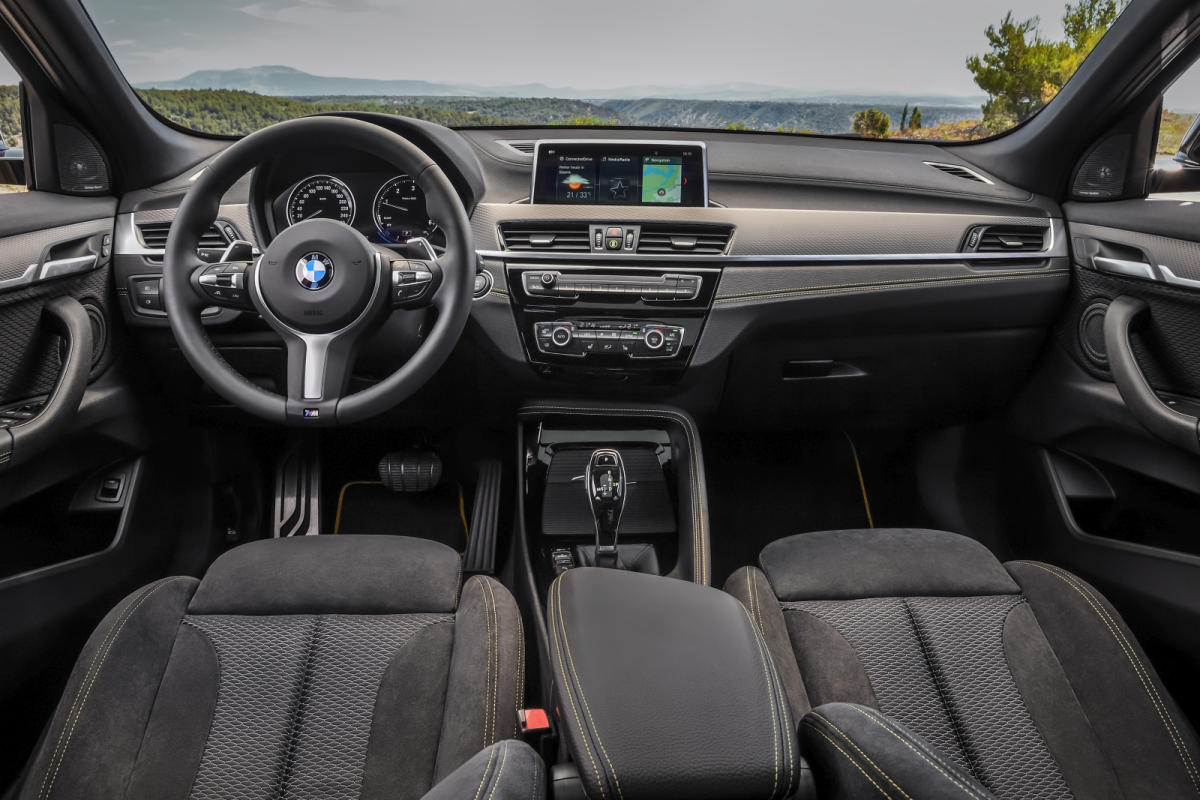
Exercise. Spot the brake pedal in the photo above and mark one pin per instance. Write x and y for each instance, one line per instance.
(410, 470)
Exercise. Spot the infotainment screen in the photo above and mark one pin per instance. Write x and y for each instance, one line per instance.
(620, 173)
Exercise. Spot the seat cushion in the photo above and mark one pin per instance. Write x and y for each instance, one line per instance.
(320, 667)
(998, 669)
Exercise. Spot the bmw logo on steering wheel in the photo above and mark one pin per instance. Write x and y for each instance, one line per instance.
(314, 271)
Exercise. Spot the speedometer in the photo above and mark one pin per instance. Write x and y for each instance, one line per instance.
(320, 196)
(400, 212)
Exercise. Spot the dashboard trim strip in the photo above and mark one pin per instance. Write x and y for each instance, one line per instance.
(717, 260)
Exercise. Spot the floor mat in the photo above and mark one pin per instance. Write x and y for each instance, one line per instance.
(370, 507)
(765, 487)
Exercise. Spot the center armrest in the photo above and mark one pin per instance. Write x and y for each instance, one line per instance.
(666, 688)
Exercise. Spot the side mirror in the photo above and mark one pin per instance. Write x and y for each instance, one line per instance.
(1183, 173)
(12, 166)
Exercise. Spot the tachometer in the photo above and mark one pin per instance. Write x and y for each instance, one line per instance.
(400, 212)
(320, 196)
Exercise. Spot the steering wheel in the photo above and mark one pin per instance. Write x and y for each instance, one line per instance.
(320, 284)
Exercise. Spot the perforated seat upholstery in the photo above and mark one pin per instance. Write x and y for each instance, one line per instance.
(315, 667)
(922, 667)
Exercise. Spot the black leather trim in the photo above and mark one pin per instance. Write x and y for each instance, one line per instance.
(694, 541)
(666, 688)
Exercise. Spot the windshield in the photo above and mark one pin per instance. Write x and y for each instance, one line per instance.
(933, 69)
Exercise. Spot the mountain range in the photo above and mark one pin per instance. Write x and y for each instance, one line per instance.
(289, 82)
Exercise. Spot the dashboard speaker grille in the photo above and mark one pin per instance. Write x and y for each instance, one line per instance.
(154, 236)
(1101, 176)
(81, 167)
(562, 238)
(675, 238)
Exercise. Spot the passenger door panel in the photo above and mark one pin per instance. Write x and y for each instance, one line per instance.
(1125, 500)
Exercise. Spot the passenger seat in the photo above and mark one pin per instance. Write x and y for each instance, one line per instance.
(922, 667)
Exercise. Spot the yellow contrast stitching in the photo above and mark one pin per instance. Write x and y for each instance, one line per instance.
(583, 697)
(89, 680)
(852, 287)
(771, 700)
(1139, 669)
(499, 772)
(556, 621)
(781, 696)
(484, 777)
(853, 744)
(496, 685)
(857, 766)
(967, 788)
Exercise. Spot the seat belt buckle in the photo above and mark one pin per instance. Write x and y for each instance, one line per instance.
(534, 721)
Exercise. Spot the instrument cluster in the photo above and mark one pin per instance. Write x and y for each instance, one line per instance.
(389, 209)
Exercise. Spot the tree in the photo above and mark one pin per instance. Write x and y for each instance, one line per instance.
(1023, 70)
(1087, 21)
(914, 122)
(872, 123)
(1014, 73)
(904, 119)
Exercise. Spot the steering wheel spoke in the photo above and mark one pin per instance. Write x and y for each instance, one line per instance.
(319, 366)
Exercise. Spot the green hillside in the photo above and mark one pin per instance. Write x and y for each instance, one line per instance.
(230, 112)
(10, 116)
(768, 115)
(532, 110)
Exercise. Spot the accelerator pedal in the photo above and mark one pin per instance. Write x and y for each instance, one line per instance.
(480, 558)
(410, 470)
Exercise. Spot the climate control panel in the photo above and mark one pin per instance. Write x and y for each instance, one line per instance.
(633, 339)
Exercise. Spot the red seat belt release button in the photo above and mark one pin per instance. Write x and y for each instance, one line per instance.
(533, 720)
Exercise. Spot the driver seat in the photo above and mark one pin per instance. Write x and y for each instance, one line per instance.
(311, 667)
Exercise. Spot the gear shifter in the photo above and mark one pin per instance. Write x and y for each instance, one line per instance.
(605, 482)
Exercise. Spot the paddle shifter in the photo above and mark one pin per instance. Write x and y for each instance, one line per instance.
(605, 481)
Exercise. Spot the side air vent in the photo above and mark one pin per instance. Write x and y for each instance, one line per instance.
(1006, 239)
(678, 238)
(565, 238)
(959, 171)
(154, 236)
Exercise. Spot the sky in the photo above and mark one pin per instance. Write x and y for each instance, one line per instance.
(904, 46)
(814, 46)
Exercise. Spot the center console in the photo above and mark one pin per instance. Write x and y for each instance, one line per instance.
(639, 321)
(596, 291)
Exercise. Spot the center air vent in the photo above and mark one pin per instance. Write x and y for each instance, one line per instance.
(154, 236)
(1006, 239)
(561, 237)
(683, 238)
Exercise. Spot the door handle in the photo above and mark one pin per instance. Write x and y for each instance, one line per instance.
(21, 442)
(1121, 266)
(1156, 416)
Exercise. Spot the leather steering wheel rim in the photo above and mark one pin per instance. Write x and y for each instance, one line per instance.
(452, 298)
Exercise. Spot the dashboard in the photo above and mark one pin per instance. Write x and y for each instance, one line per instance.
(746, 277)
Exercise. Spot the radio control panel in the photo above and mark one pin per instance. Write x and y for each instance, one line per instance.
(658, 288)
(632, 339)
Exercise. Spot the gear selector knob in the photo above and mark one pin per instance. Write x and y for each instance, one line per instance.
(606, 487)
